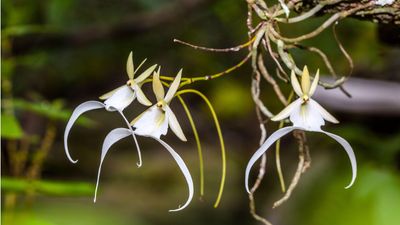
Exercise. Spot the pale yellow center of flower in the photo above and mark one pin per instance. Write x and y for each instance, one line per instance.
(161, 104)
(305, 98)
(130, 82)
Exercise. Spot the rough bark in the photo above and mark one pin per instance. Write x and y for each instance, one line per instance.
(388, 14)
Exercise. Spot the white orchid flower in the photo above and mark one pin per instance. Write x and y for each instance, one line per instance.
(116, 100)
(153, 123)
(305, 114)
(156, 119)
(120, 98)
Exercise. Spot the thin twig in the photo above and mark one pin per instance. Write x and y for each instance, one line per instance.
(255, 93)
(303, 16)
(231, 49)
(323, 26)
(271, 80)
(343, 50)
(216, 75)
(312, 34)
(253, 211)
(272, 54)
(261, 172)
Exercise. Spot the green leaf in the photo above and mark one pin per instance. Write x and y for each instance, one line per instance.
(57, 188)
(10, 127)
(53, 110)
(7, 67)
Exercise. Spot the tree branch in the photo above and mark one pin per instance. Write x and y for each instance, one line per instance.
(389, 14)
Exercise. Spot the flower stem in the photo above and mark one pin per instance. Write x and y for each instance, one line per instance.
(221, 139)
(186, 80)
(231, 49)
(277, 153)
(198, 143)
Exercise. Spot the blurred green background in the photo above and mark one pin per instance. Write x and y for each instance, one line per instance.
(59, 53)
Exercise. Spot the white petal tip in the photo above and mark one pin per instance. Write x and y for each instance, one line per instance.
(94, 200)
(176, 210)
(70, 159)
(139, 164)
(349, 186)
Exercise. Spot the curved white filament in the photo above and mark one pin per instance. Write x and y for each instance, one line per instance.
(184, 170)
(111, 138)
(263, 148)
(350, 153)
(79, 110)
(139, 164)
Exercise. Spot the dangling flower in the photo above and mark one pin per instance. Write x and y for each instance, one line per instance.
(120, 98)
(155, 120)
(305, 114)
(116, 100)
(153, 123)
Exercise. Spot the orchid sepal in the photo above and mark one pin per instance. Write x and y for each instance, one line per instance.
(120, 133)
(285, 130)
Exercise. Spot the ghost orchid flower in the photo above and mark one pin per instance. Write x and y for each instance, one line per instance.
(116, 100)
(120, 98)
(153, 123)
(305, 114)
(156, 119)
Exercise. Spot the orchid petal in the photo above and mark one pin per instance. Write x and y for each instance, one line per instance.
(139, 164)
(140, 65)
(350, 153)
(325, 114)
(137, 118)
(295, 84)
(174, 87)
(141, 97)
(110, 93)
(129, 66)
(84, 107)
(143, 76)
(263, 148)
(184, 170)
(120, 99)
(158, 88)
(111, 138)
(151, 123)
(314, 84)
(305, 81)
(286, 111)
(174, 124)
